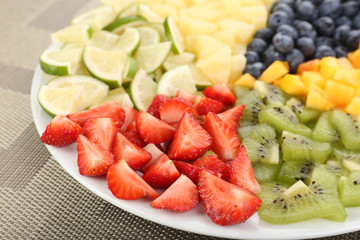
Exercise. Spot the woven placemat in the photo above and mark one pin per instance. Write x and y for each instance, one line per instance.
(38, 199)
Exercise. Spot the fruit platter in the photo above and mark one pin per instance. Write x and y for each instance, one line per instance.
(228, 118)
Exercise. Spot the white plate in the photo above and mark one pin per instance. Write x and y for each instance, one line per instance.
(195, 220)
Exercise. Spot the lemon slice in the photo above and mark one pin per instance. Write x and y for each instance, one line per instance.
(174, 35)
(107, 66)
(177, 60)
(151, 57)
(104, 40)
(118, 5)
(93, 88)
(148, 35)
(60, 62)
(73, 34)
(178, 78)
(128, 41)
(119, 95)
(142, 90)
(120, 24)
(97, 18)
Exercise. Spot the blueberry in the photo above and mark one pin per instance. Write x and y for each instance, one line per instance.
(324, 41)
(306, 45)
(265, 34)
(343, 20)
(341, 51)
(350, 8)
(324, 51)
(353, 40)
(330, 8)
(283, 43)
(294, 58)
(271, 55)
(341, 34)
(306, 10)
(305, 29)
(291, 3)
(257, 45)
(288, 31)
(356, 21)
(278, 18)
(324, 26)
(252, 57)
(316, 2)
(285, 8)
(255, 69)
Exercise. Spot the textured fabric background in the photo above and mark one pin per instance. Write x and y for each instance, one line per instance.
(38, 199)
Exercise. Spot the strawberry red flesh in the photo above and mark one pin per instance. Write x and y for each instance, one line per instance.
(134, 137)
(172, 110)
(130, 115)
(158, 100)
(100, 131)
(226, 203)
(206, 105)
(213, 164)
(161, 175)
(189, 170)
(156, 153)
(220, 92)
(60, 132)
(232, 116)
(187, 96)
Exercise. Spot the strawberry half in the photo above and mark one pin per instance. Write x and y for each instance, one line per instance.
(156, 153)
(213, 164)
(158, 100)
(161, 175)
(172, 110)
(206, 105)
(181, 196)
(60, 132)
(110, 109)
(92, 159)
(130, 115)
(153, 130)
(220, 92)
(225, 203)
(100, 131)
(135, 156)
(189, 170)
(241, 172)
(190, 141)
(135, 138)
(226, 143)
(187, 96)
(124, 183)
(232, 116)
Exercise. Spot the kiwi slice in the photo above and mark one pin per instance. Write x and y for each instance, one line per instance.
(324, 131)
(254, 104)
(349, 128)
(282, 118)
(335, 167)
(350, 159)
(304, 114)
(243, 132)
(270, 93)
(240, 91)
(349, 189)
(261, 144)
(282, 205)
(297, 148)
(265, 172)
(291, 172)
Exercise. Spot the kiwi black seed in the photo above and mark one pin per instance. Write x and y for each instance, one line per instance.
(291, 172)
(304, 114)
(254, 105)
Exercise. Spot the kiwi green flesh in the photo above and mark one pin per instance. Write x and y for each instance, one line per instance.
(254, 105)
(283, 119)
(243, 132)
(295, 147)
(350, 159)
(348, 127)
(324, 131)
(270, 93)
(265, 172)
(349, 189)
(240, 91)
(335, 167)
(291, 172)
(304, 114)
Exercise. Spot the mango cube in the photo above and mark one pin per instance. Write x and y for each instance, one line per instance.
(354, 58)
(245, 80)
(339, 94)
(309, 77)
(328, 66)
(275, 71)
(318, 99)
(354, 106)
(278, 82)
(312, 65)
(348, 76)
(357, 92)
(345, 63)
(293, 85)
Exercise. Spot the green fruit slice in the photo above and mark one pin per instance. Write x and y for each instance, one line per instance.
(119, 95)
(142, 90)
(151, 57)
(174, 35)
(78, 33)
(148, 36)
(177, 60)
(97, 18)
(104, 40)
(120, 24)
(131, 68)
(128, 41)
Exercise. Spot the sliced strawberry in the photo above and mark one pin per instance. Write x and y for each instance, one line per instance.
(214, 164)
(100, 131)
(206, 105)
(110, 109)
(189, 170)
(153, 130)
(135, 156)
(92, 159)
(241, 172)
(155, 154)
(220, 92)
(134, 137)
(226, 203)
(156, 103)
(187, 96)
(155, 161)
(172, 110)
(60, 132)
(124, 183)
(181, 196)
(190, 141)
(226, 143)
(131, 126)
(161, 175)
(130, 115)
(232, 116)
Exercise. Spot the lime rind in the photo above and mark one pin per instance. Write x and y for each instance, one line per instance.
(174, 35)
(122, 23)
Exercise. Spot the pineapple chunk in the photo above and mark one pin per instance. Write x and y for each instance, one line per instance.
(348, 76)
(226, 36)
(232, 6)
(318, 99)
(259, 22)
(328, 66)
(339, 94)
(275, 71)
(238, 63)
(245, 80)
(354, 58)
(309, 77)
(248, 13)
(312, 65)
(203, 46)
(239, 48)
(189, 25)
(178, 4)
(211, 12)
(345, 63)
(354, 106)
(244, 30)
(293, 85)
(251, 2)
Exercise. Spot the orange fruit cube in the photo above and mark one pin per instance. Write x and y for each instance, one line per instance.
(348, 76)
(275, 71)
(345, 63)
(354, 106)
(293, 85)
(245, 80)
(309, 77)
(312, 65)
(318, 99)
(340, 94)
(328, 66)
(354, 58)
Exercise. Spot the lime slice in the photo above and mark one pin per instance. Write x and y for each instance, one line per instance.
(130, 10)
(177, 60)
(129, 40)
(119, 95)
(151, 57)
(60, 100)
(157, 74)
(131, 68)
(118, 5)
(79, 45)
(97, 18)
(150, 16)
(73, 34)
(148, 36)
(104, 40)
(119, 25)
(201, 81)
(107, 66)
(174, 35)
(60, 62)
(160, 28)
(93, 88)
(178, 78)
(142, 90)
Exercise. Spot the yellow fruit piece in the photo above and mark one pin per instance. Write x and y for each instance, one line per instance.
(244, 31)
(245, 80)
(165, 10)
(178, 4)
(239, 48)
(275, 71)
(328, 66)
(210, 12)
(348, 76)
(232, 6)
(278, 82)
(203, 46)
(251, 2)
(259, 22)
(339, 94)
(345, 63)
(357, 92)
(189, 25)
(354, 106)
(317, 99)
(354, 58)
(248, 13)
(293, 85)
(226, 36)
(238, 63)
(309, 77)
